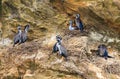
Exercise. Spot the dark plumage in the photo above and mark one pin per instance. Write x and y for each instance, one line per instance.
(58, 38)
(58, 47)
(62, 50)
(17, 38)
(21, 37)
(79, 22)
(105, 55)
(102, 51)
(24, 33)
(55, 48)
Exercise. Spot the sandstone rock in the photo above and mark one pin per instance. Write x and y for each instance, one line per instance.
(101, 21)
(29, 75)
(13, 72)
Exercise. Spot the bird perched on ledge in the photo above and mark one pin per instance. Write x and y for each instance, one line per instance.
(71, 27)
(17, 37)
(58, 47)
(55, 48)
(24, 33)
(79, 23)
(102, 51)
(21, 37)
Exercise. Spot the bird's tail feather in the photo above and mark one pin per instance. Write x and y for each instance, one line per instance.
(110, 56)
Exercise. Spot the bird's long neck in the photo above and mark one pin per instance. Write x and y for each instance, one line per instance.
(59, 47)
(77, 19)
(19, 31)
(70, 25)
(26, 30)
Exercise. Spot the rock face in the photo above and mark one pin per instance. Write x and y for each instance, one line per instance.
(39, 14)
(48, 18)
(99, 18)
(33, 61)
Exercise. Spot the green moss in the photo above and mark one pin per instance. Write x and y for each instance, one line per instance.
(16, 3)
(27, 11)
(27, 3)
(8, 7)
(30, 64)
(112, 76)
(61, 75)
(117, 20)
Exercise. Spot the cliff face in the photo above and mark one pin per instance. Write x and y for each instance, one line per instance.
(39, 14)
(45, 20)
(48, 18)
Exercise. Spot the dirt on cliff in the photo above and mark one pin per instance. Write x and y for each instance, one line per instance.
(33, 59)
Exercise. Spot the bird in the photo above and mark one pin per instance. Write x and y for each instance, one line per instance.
(17, 37)
(55, 48)
(21, 37)
(71, 26)
(24, 33)
(58, 38)
(79, 22)
(61, 48)
(102, 51)
(105, 55)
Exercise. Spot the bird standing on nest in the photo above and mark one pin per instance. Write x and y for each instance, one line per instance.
(71, 27)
